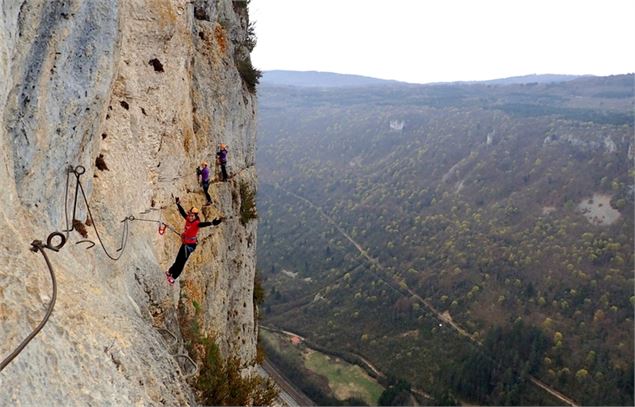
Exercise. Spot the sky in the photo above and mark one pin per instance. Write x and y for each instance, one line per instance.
(424, 41)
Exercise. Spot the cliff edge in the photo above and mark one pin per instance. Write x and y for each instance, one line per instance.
(136, 93)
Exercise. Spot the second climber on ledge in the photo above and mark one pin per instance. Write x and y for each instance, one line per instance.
(221, 159)
(202, 176)
(188, 239)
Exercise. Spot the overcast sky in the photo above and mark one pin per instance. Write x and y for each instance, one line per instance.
(426, 41)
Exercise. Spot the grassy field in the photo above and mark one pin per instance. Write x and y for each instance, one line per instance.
(346, 380)
(282, 345)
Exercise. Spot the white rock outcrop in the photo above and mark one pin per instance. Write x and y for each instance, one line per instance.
(147, 88)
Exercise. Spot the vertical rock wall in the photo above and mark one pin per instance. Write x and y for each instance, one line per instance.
(150, 87)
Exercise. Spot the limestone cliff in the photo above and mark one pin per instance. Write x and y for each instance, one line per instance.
(147, 89)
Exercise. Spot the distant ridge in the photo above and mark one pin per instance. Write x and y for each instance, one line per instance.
(320, 79)
(533, 78)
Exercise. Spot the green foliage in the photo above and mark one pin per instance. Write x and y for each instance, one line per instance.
(499, 372)
(315, 386)
(397, 394)
(529, 110)
(250, 40)
(220, 382)
(197, 307)
(247, 203)
(472, 206)
(443, 397)
(240, 4)
(250, 75)
(343, 376)
(259, 291)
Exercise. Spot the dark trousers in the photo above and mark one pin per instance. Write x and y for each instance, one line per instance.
(181, 258)
(223, 169)
(205, 185)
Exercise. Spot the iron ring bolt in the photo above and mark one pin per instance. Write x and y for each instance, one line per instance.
(80, 169)
(49, 244)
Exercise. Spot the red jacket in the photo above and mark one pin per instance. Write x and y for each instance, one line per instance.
(191, 228)
(190, 231)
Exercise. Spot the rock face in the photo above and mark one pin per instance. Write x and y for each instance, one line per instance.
(138, 93)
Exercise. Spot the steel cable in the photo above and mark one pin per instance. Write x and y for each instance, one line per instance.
(78, 171)
(179, 355)
(37, 245)
(132, 218)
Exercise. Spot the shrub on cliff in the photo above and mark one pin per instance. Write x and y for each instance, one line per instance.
(247, 203)
(249, 74)
(221, 383)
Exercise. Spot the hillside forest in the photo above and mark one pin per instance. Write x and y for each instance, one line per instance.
(467, 239)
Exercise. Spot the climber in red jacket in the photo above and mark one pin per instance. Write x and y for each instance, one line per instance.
(188, 239)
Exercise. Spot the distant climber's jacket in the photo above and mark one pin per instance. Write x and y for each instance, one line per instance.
(203, 173)
(222, 156)
(191, 228)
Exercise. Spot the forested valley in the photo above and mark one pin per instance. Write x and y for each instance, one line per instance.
(467, 239)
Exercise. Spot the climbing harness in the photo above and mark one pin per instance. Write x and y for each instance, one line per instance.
(162, 225)
(37, 245)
